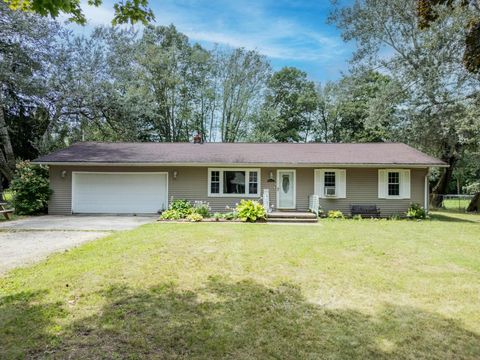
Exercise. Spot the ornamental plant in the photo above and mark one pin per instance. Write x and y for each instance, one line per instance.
(231, 215)
(202, 208)
(195, 217)
(250, 210)
(184, 207)
(171, 214)
(335, 214)
(415, 211)
(30, 188)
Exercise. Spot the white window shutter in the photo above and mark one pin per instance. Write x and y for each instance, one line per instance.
(320, 183)
(342, 184)
(405, 184)
(382, 184)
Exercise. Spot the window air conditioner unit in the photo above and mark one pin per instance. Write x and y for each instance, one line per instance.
(330, 191)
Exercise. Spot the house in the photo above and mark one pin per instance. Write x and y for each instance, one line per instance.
(95, 177)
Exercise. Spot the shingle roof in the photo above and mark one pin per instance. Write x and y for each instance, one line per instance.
(241, 153)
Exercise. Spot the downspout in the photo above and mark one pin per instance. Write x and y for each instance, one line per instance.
(426, 197)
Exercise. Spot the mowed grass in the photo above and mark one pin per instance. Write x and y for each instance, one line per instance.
(456, 204)
(340, 289)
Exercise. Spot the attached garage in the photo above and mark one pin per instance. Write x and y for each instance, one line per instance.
(119, 193)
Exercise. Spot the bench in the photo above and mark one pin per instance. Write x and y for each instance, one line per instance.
(5, 212)
(367, 211)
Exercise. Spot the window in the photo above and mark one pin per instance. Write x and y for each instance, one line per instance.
(329, 183)
(234, 182)
(215, 182)
(253, 183)
(393, 183)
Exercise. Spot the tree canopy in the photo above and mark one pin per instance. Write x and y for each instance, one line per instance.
(125, 11)
(430, 10)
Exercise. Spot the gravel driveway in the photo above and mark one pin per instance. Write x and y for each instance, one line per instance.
(25, 241)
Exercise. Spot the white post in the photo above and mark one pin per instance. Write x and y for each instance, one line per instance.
(266, 199)
(427, 194)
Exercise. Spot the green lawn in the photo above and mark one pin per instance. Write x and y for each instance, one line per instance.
(340, 289)
(456, 204)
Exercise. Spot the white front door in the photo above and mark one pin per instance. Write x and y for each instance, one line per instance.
(286, 193)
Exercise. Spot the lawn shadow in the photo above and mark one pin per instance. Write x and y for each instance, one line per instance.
(27, 324)
(244, 320)
(446, 216)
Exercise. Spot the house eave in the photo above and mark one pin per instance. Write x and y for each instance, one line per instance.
(267, 165)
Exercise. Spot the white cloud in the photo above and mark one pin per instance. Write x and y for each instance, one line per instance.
(253, 28)
(101, 15)
(96, 16)
(250, 24)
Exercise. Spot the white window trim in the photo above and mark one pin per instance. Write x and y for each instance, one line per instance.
(399, 196)
(402, 194)
(335, 178)
(338, 183)
(247, 178)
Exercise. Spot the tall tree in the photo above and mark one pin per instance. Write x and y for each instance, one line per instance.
(438, 96)
(293, 99)
(345, 109)
(429, 12)
(327, 117)
(242, 77)
(165, 61)
(26, 44)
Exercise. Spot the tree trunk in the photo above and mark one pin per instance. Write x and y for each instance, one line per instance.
(7, 158)
(474, 204)
(451, 158)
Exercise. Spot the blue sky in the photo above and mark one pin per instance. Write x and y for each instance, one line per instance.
(288, 32)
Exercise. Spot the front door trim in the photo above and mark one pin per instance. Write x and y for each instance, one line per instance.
(294, 172)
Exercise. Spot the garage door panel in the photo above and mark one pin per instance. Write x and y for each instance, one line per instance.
(119, 192)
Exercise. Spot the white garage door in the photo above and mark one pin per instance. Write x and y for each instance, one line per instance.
(119, 193)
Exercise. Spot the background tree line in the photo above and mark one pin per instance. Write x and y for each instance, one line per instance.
(155, 85)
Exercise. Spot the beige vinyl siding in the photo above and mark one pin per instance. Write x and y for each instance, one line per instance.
(362, 189)
(192, 182)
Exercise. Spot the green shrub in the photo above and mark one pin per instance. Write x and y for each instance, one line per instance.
(395, 217)
(357, 217)
(249, 210)
(171, 214)
(8, 196)
(415, 211)
(202, 208)
(217, 216)
(195, 217)
(232, 215)
(30, 188)
(184, 207)
(335, 214)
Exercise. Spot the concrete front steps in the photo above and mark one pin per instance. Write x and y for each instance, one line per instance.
(291, 217)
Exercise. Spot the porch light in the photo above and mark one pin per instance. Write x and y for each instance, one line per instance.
(63, 174)
(175, 173)
(270, 177)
